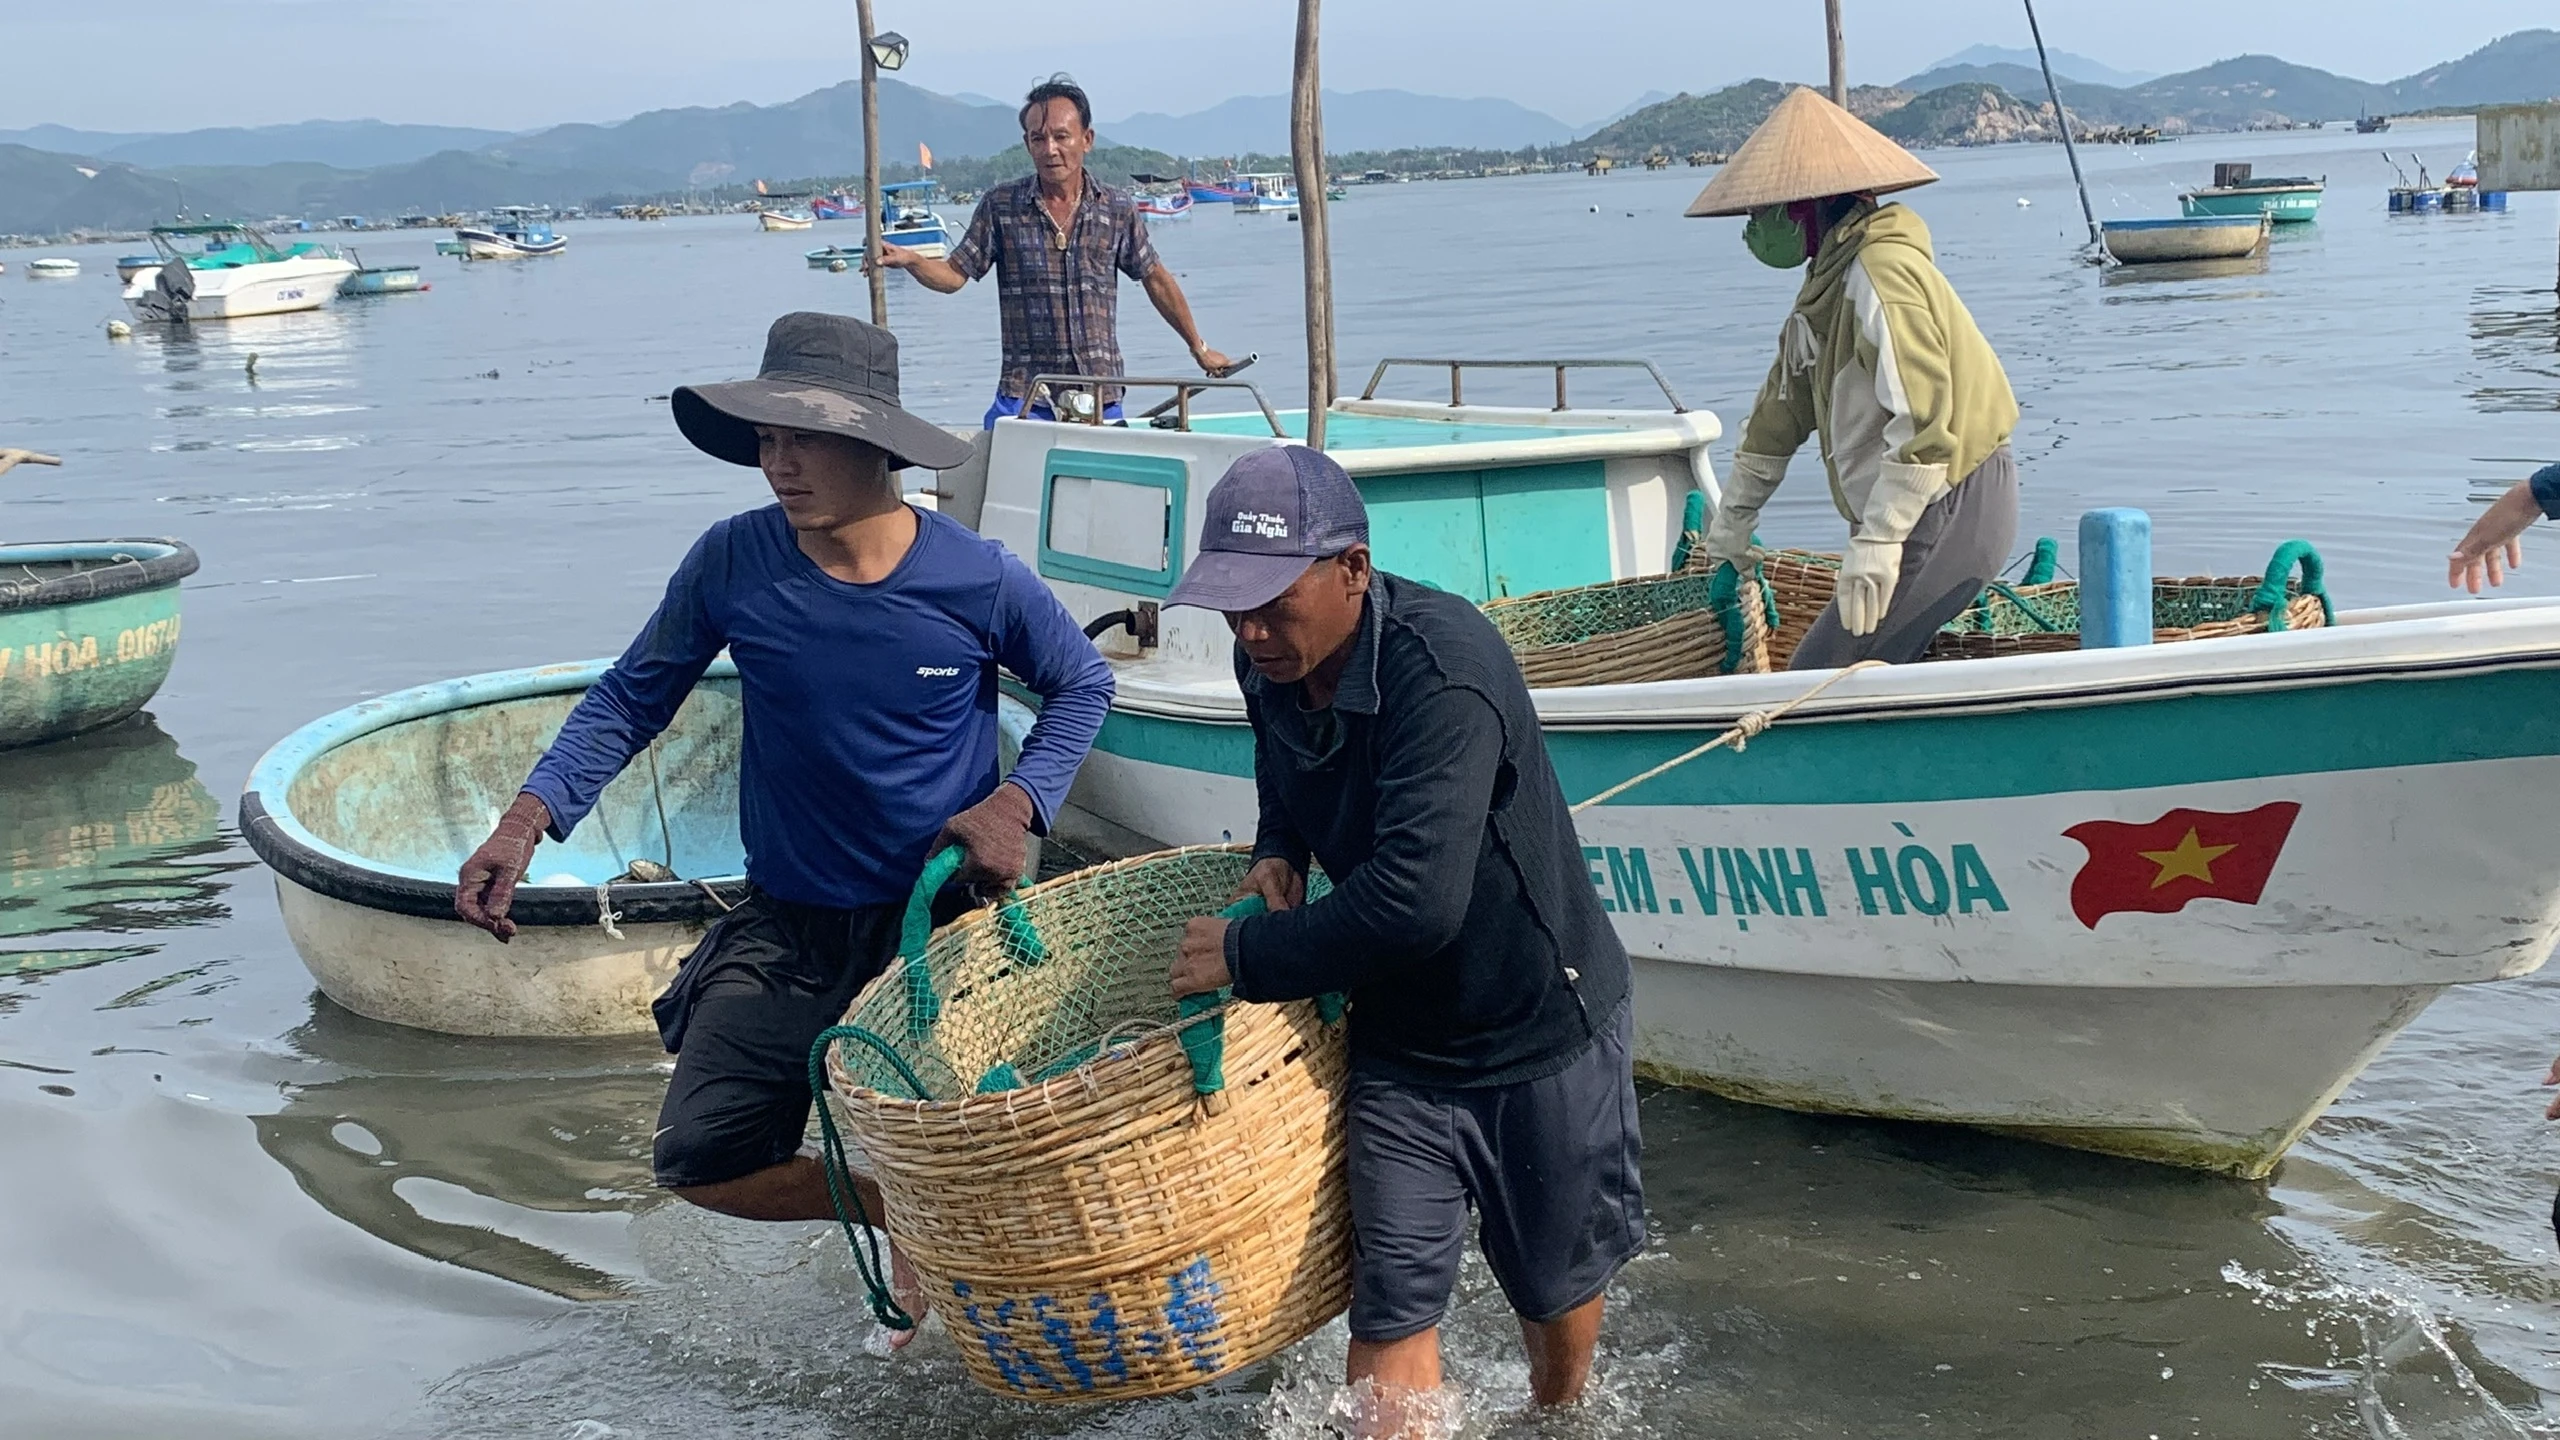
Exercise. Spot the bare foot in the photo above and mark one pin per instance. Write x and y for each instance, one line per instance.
(907, 1288)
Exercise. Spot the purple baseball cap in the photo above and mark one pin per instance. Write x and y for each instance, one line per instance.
(1274, 513)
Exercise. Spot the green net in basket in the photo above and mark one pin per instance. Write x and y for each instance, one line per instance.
(1109, 1193)
(1679, 626)
(2027, 619)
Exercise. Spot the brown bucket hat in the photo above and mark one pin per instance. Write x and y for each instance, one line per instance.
(829, 373)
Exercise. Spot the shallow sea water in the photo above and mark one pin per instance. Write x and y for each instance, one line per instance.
(236, 1210)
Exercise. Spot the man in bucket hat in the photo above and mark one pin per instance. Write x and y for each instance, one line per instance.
(867, 634)
(1395, 744)
(1881, 358)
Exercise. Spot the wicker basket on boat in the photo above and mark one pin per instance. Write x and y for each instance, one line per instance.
(2032, 619)
(1104, 1207)
(1678, 626)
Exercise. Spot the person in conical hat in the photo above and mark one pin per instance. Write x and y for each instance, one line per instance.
(1882, 359)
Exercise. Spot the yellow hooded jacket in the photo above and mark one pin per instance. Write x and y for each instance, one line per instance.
(1883, 359)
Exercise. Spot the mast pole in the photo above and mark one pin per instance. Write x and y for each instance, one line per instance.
(1306, 159)
(2062, 122)
(871, 170)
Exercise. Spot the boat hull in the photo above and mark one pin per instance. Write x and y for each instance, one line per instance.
(2152, 242)
(930, 241)
(768, 220)
(386, 280)
(1975, 938)
(2285, 207)
(80, 652)
(442, 975)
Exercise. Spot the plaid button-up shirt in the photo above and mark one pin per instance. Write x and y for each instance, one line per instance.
(1060, 303)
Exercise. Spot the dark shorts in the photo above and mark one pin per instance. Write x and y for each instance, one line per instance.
(1551, 1167)
(740, 1017)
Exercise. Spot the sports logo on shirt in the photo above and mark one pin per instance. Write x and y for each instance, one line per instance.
(1259, 522)
(937, 672)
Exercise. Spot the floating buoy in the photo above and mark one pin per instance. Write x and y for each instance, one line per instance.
(2024, 202)
(118, 330)
(1595, 209)
(837, 267)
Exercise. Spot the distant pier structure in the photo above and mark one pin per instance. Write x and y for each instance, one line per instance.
(2520, 149)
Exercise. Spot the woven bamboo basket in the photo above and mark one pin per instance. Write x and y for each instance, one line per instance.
(1095, 1215)
(1679, 626)
(2036, 619)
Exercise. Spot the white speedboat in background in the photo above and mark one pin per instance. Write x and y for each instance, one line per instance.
(52, 267)
(218, 270)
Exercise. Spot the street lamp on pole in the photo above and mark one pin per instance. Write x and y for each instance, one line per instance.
(879, 52)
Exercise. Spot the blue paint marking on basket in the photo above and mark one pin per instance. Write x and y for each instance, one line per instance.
(1060, 1332)
(1017, 1369)
(1106, 1328)
(1193, 1314)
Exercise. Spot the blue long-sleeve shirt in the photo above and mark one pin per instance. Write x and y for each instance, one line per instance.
(869, 710)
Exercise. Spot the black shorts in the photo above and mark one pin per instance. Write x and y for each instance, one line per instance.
(1551, 1167)
(740, 1017)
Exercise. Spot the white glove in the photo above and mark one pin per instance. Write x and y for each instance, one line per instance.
(1873, 565)
(1748, 484)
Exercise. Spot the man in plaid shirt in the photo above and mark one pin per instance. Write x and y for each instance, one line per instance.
(1059, 241)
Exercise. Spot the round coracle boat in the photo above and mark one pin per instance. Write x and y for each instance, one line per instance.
(88, 630)
(366, 816)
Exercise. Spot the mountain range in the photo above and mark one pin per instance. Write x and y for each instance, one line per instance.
(54, 180)
(2066, 66)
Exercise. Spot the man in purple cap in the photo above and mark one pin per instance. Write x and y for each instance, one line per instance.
(1395, 744)
(867, 635)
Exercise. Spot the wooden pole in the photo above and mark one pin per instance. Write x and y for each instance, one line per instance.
(1306, 159)
(871, 170)
(2062, 122)
(1839, 54)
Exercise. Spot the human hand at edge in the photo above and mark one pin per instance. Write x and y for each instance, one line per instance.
(486, 889)
(1276, 881)
(2494, 545)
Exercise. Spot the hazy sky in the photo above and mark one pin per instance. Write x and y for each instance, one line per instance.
(175, 64)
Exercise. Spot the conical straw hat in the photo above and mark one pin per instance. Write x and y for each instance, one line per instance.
(1806, 149)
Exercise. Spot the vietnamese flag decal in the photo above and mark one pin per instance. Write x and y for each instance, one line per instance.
(2184, 855)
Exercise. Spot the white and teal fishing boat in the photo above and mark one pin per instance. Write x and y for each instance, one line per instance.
(2162, 901)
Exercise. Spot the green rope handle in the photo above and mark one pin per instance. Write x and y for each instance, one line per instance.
(1693, 521)
(2270, 597)
(842, 1194)
(2025, 606)
(916, 931)
(2048, 558)
(1724, 597)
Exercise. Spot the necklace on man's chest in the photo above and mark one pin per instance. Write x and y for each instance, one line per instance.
(1057, 231)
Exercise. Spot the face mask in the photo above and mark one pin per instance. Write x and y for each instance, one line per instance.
(1774, 238)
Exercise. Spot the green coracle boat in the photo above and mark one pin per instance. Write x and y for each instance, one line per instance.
(88, 630)
(2288, 200)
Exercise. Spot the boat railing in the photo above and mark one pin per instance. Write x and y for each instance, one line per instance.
(1457, 369)
(1090, 387)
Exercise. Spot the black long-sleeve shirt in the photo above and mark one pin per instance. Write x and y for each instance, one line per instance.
(1461, 919)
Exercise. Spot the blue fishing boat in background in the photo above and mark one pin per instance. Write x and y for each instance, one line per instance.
(908, 218)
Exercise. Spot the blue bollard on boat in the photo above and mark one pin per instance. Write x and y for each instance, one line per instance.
(2115, 578)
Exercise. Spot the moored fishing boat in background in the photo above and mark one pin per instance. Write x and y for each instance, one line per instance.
(2288, 200)
(2162, 902)
(128, 266)
(908, 218)
(52, 267)
(516, 235)
(784, 220)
